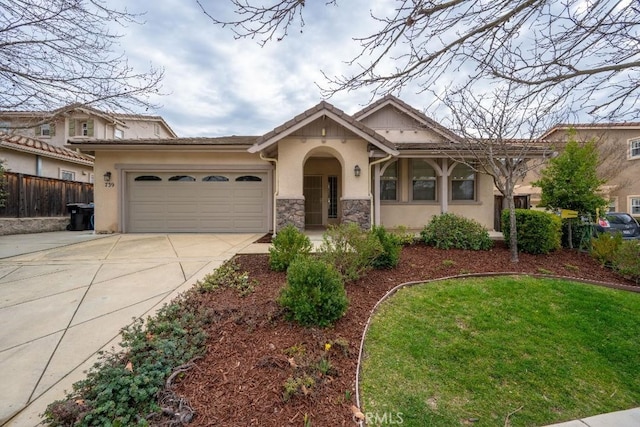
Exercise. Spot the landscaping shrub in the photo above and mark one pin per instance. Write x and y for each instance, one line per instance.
(538, 232)
(605, 246)
(288, 244)
(391, 248)
(626, 260)
(350, 249)
(451, 231)
(121, 388)
(314, 294)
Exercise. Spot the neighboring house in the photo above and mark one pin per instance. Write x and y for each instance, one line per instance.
(388, 164)
(22, 154)
(46, 134)
(619, 153)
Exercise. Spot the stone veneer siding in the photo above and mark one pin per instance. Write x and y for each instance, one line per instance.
(290, 211)
(358, 211)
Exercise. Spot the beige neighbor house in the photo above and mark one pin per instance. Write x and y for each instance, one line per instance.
(33, 142)
(388, 164)
(619, 152)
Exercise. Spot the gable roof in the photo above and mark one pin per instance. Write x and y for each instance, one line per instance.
(114, 118)
(313, 113)
(41, 148)
(402, 106)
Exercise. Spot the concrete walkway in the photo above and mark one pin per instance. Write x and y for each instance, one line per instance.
(66, 295)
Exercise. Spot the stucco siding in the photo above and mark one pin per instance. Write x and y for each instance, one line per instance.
(19, 162)
(294, 152)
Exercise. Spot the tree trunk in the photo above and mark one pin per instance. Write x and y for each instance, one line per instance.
(513, 230)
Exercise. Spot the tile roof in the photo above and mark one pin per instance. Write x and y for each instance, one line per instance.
(241, 141)
(36, 146)
(271, 137)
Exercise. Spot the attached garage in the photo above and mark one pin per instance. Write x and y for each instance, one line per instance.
(197, 201)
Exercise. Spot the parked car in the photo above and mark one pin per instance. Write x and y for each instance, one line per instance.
(619, 222)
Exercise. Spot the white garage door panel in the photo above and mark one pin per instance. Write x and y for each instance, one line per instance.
(197, 206)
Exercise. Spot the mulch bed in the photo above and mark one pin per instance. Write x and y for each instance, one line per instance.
(252, 350)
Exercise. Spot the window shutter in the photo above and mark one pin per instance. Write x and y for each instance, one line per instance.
(52, 129)
(72, 127)
(90, 127)
(38, 131)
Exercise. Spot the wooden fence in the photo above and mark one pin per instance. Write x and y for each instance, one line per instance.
(31, 196)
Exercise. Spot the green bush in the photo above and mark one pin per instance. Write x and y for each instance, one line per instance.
(121, 388)
(314, 294)
(451, 231)
(538, 232)
(626, 261)
(350, 250)
(391, 248)
(288, 244)
(605, 246)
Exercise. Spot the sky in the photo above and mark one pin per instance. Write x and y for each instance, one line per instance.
(219, 86)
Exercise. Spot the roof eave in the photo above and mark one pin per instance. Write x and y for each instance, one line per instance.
(264, 145)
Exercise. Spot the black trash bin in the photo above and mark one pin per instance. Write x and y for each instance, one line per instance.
(81, 216)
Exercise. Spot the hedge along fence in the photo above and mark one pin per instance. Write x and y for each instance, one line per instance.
(30, 196)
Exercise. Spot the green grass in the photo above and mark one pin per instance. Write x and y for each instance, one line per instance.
(472, 352)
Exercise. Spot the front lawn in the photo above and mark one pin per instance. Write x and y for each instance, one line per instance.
(513, 351)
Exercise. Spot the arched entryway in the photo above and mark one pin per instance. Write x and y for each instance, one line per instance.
(322, 188)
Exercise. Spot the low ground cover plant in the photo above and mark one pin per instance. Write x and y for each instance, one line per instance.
(451, 231)
(121, 388)
(228, 275)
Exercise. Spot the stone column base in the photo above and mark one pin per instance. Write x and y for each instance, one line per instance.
(289, 211)
(358, 211)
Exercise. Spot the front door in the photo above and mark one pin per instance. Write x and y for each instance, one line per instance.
(312, 188)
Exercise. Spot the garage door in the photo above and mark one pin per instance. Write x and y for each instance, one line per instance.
(197, 202)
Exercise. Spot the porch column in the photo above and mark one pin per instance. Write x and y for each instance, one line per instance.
(376, 194)
(444, 187)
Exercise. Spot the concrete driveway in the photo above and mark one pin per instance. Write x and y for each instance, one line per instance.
(65, 295)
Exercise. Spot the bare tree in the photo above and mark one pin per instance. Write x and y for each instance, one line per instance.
(502, 135)
(587, 52)
(58, 52)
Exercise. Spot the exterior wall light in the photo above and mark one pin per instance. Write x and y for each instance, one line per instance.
(356, 170)
(107, 176)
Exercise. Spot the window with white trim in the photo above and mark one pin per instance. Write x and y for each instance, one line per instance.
(634, 148)
(423, 181)
(118, 134)
(613, 205)
(463, 183)
(389, 183)
(45, 129)
(634, 203)
(67, 175)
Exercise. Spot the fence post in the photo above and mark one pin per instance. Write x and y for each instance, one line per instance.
(22, 198)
